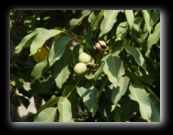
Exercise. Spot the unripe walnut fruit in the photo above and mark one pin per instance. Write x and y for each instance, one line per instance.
(84, 58)
(80, 68)
(103, 43)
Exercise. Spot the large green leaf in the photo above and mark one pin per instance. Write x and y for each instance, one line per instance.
(121, 31)
(75, 54)
(61, 69)
(95, 18)
(89, 96)
(48, 104)
(68, 90)
(99, 71)
(71, 94)
(155, 106)
(147, 19)
(26, 39)
(58, 48)
(41, 38)
(142, 98)
(153, 38)
(110, 17)
(114, 69)
(47, 115)
(155, 17)
(128, 108)
(118, 92)
(64, 108)
(137, 55)
(39, 69)
(130, 17)
(74, 22)
(137, 23)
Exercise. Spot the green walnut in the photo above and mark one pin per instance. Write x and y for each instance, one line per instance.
(84, 58)
(103, 43)
(80, 68)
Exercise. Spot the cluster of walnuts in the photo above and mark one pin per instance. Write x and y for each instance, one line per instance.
(85, 59)
(81, 67)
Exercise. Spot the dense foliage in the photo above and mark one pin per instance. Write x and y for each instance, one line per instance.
(118, 80)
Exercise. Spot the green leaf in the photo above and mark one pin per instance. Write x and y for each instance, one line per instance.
(64, 108)
(61, 69)
(74, 22)
(155, 106)
(68, 90)
(121, 31)
(147, 18)
(117, 117)
(130, 17)
(71, 94)
(137, 55)
(39, 69)
(114, 69)
(47, 115)
(155, 17)
(75, 54)
(128, 108)
(42, 88)
(151, 76)
(142, 98)
(116, 48)
(89, 96)
(58, 48)
(118, 92)
(99, 71)
(25, 40)
(153, 38)
(110, 17)
(48, 104)
(41, 38)
(95, 19)
(137, 24)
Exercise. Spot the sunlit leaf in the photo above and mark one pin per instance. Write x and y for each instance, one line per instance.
(153, 38)
(147, 19)
(137, 23)
(114, 69)
(39, 69)
(41, 38)
(48, 104)
(130, 17)
(137, 55)
(118, 92)
(71, 94)
(95, 19)
(155, 17)
(47, 115)
(89, 96)
(64, 108)
(74, 22)
(110, 17)
(142, 98)
(25, 40)
(61, 70)
(58, 48)
(121, 31)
